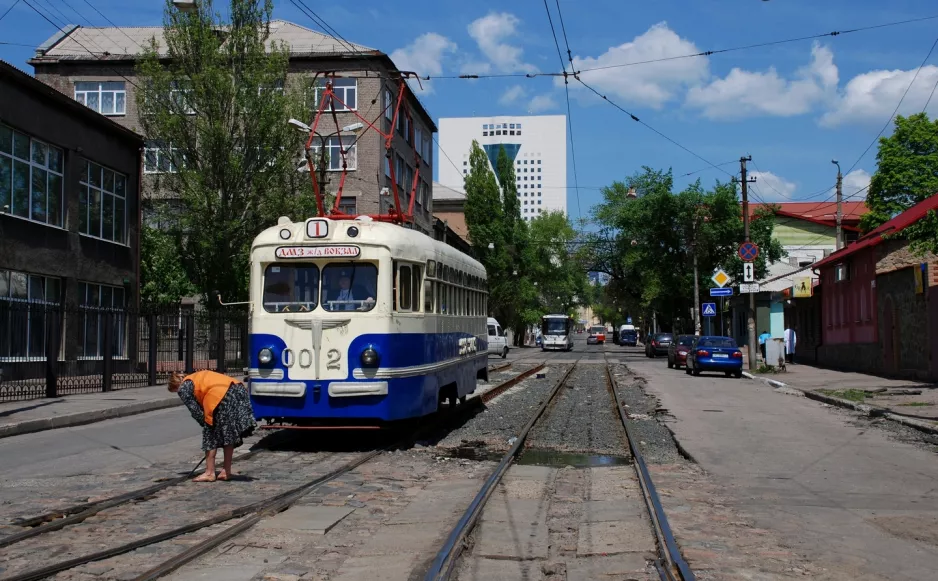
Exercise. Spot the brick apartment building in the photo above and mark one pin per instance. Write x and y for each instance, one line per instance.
(103, 80)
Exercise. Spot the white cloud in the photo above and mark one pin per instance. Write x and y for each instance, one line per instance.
(873, 96)
(425, 57)
(512, 94)
(491, 33)
(772, 188)
(650, 84)
(541, 103)
(751, 93)
(855, 181)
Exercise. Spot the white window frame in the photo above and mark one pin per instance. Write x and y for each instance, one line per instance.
(342, 87)
(178, 95)
(162, 155)
(14, 304)
(334, 152)
(39, 158)
(105, 196)
(388, 108)
(116, 89)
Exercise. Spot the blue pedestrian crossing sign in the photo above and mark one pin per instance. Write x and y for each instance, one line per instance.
(709, 309)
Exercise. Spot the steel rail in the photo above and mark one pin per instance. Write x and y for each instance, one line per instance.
(443, 563)
(506, 385)
(667, 545)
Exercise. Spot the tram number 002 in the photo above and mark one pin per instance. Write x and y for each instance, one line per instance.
(467, 345)
(305, 358)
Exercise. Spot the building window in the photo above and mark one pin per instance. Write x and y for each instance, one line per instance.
(388, 107)
(334, 147)
(485, 134)
(105, 97)
(102, 203)
(181, 96)
(427, 150)
(159, 157)
(538, 163)
(346, 91)
(24, 299)
(418, 140)
(348, 205)
(100, 305)
(387, 167)
(31, 182)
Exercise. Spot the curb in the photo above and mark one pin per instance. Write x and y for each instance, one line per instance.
(865, 409)
(82, 418)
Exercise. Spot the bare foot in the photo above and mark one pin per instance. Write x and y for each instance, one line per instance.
(205, 477)
(223, 475)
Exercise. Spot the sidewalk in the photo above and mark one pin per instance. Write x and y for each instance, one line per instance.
(36, 415)
(896, 399)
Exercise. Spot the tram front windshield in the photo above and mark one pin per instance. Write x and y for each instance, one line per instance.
(554, 326)
(345, 286)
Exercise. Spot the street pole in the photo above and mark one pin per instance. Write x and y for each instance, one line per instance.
(840, 211)
(696, 294)
(751, 320)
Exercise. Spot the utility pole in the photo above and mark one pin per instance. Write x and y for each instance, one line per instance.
(751, 319)
(840, 210)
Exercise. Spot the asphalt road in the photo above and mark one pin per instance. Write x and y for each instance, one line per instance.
(837, 488)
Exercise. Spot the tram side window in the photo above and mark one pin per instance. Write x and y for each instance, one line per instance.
(292, 288)
(405, 288)
(438, 288)
(428, 296)
(416, 287)
(349, 286)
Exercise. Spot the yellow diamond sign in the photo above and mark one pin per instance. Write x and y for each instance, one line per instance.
(720, 278)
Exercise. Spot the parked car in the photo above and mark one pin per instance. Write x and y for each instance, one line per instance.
(677, 352)
(498, 341)
(628, 336)
(658, 344)
(597, 335)
(709, 353)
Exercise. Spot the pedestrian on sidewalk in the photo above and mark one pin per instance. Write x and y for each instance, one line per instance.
(762, 339)
(790, 341)
(222, 407)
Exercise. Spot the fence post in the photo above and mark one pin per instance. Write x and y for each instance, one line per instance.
(222, 365)
(190, 341)
(106, 339)
(152, 352)
(53, 330)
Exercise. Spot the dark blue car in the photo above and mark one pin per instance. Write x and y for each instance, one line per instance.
(710, 353)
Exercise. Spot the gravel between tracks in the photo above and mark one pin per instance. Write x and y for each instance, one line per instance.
(656, 442)
(583, 418)
(504, 416)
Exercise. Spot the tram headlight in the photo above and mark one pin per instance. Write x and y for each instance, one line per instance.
(265, 356)
(370, 358)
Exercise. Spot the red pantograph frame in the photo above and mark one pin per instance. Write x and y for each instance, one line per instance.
(329, 98)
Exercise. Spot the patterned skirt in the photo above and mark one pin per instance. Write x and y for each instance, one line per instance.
(233, 420)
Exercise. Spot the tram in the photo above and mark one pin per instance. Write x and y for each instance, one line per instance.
(357, 321)
(557, 332)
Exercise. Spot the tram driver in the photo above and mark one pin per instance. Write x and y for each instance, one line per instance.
(349, 296)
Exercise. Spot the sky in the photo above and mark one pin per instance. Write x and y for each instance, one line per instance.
(792, 106)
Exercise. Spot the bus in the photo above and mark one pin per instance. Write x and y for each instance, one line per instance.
(557, 332)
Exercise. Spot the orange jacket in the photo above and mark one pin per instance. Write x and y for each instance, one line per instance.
(210, 388)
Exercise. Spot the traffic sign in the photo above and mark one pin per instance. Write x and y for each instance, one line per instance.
(709, 309)
(628, 320)
(749, 288)
(720, 278)
(748, 251)
(721, 292)
(749, 272)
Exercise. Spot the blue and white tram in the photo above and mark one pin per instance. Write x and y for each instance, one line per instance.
(361, 322)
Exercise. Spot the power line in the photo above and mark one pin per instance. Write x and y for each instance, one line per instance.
(111, 22)
(12, 6)
(708, 167)
(62, 27)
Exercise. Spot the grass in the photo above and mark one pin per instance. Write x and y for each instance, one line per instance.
(766, 369)
(848, 394)
(916, 404)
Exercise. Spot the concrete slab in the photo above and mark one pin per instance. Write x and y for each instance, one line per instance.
(520, 542)
(378, 568)
(239, 573)
(515, 511)
(500, 570)
(311, 519)
(404, 538)
(526, 482)
(615, 537)
(627, 566)
(607, 510)
(613, 483)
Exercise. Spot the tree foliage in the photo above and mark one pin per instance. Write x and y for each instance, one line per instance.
(164, 280)
(906, 174)
(647, 244)
(217, 93)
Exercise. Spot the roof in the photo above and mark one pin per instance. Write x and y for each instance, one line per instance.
(780, 277)
(441, 192)
(81, 43)
(818, 212)
(456, 222)
(894, 226)
(12, 74)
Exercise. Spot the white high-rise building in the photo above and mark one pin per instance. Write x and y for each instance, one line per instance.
(536, 143)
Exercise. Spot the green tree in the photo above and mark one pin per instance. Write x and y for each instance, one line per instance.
(219, 97)
(906, 174)
(164, 280)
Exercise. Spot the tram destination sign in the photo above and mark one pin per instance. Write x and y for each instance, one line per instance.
(317, 251)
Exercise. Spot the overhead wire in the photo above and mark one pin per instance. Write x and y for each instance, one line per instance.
(8, 10)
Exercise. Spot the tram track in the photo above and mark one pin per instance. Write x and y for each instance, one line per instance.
(246, 515)
(669, 563)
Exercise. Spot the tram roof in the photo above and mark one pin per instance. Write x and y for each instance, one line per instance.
(401, 242)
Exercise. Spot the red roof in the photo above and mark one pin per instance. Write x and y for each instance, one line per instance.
(875, 237)
(818, 212)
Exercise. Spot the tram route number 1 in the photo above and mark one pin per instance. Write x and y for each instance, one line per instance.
(467, 345)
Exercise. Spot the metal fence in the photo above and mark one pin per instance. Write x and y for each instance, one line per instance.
(50, 350)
